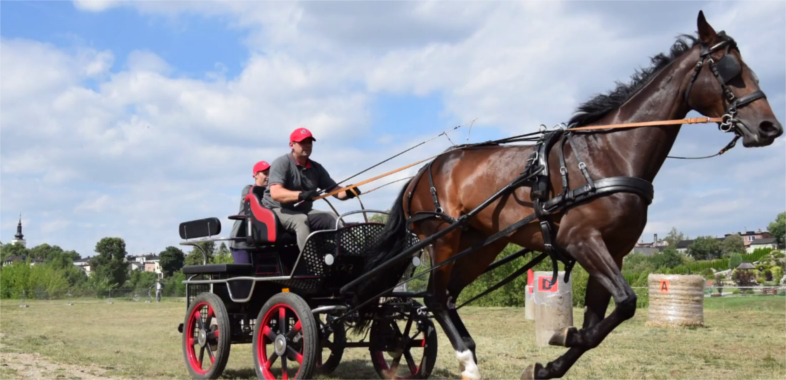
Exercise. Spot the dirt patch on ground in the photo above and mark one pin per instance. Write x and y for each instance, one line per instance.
(14, 365)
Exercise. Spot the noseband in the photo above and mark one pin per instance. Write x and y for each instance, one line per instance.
(726, 69)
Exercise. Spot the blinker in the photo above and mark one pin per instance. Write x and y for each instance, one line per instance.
(728, 68)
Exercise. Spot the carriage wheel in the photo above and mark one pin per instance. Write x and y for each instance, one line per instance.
(206, 337)
(333, 339)
(286, 339)
(415, 341)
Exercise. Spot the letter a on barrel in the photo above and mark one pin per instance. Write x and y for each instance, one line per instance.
(664, 286)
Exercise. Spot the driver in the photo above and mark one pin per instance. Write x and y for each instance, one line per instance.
(295, 178)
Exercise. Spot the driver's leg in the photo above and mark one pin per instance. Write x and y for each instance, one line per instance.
(321, 220)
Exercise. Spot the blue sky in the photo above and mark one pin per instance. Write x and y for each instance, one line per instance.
(125, 118)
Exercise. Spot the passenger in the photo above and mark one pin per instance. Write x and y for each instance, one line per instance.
(239, 249)
(295, 178)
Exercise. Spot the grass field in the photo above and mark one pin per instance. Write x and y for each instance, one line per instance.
(744, 338)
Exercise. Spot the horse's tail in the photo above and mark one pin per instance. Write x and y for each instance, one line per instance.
(393, 240)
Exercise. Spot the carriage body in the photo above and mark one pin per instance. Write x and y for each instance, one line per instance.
(240, 303)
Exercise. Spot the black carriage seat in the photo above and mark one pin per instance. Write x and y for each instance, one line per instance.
(265, 226)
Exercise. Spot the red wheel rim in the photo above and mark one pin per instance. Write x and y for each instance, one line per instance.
(418, 340)
(280, 341)
(201, 337)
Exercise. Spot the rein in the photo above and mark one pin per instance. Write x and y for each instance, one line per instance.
(529, 137)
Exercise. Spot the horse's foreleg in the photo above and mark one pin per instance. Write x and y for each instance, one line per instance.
(605, 273)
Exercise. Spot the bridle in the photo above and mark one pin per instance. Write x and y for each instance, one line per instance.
(726, 69)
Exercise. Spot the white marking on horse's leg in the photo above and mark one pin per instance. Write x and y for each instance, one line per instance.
(469, 370)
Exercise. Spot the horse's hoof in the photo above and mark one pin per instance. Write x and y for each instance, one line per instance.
(560, 338)
(531, 371)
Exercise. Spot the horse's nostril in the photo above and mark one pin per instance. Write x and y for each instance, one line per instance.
(770, 128)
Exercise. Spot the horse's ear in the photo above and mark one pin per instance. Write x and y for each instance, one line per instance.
(706, 33)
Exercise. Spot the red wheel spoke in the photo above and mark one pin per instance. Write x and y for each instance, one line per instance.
(210, 353)
(411, 362)
(282, 321)
(212, 336)
(417, 343)
(267, 332)
(201, 356)
(295, 329)
(284, 374)
(394, 365)
(409, 327)
(271, 360)
(294, 355)
(198, 317)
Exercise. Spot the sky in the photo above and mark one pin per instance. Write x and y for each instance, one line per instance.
(123, 119)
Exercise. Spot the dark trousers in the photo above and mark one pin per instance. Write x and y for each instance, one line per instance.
(240, 256)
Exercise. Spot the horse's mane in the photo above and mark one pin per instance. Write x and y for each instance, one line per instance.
(601, 104)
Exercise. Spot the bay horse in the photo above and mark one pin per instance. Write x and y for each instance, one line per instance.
(597, 233)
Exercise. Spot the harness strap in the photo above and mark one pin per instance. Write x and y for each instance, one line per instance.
(582, 165)
(603, 186)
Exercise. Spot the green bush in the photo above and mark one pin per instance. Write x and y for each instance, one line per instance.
(708, 274)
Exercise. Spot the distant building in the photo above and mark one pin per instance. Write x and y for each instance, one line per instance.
(749, 236)
(656, 243)
(146, 263)
(84, 265)
(648, 251)
(19, 238)
(12, 259)
(770, 243)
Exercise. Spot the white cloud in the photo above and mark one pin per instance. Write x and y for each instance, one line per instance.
(143, 150)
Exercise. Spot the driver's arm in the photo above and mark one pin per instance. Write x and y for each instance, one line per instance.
(280, 194)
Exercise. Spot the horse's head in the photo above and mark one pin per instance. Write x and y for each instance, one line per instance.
(722, 85)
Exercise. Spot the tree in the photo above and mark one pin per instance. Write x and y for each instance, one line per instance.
(109, 263)
(172, 259)
(669, 258)
(378, 218)
(732, 244)
(705, 248)
(719, 283)
(223, 256)
(674, 237)
(735, 260)
(195, 257)
(14, 250)
(778, 228)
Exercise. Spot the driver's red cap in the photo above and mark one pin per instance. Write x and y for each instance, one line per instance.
(260, 167)
(301, 134)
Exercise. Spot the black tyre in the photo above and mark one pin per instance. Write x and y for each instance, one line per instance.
(206, 336)
(332, 342)
(411, 339)
(286, 339)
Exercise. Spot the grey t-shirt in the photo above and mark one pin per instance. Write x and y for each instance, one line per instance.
(285, 171)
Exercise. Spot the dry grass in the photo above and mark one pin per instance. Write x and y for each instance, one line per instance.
(744, 338)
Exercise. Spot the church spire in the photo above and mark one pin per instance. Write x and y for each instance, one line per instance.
(19, 235)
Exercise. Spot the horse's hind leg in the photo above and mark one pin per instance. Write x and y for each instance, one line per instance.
(441, 302)
(592, 254)
(465, 271)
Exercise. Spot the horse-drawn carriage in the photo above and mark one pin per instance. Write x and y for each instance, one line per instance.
(578, 194)
(287, 303)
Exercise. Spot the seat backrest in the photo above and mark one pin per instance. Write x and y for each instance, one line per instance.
(263, 221)
(200, 228)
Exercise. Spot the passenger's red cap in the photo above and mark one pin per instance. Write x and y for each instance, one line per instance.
(301, 134)
(260, 167)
